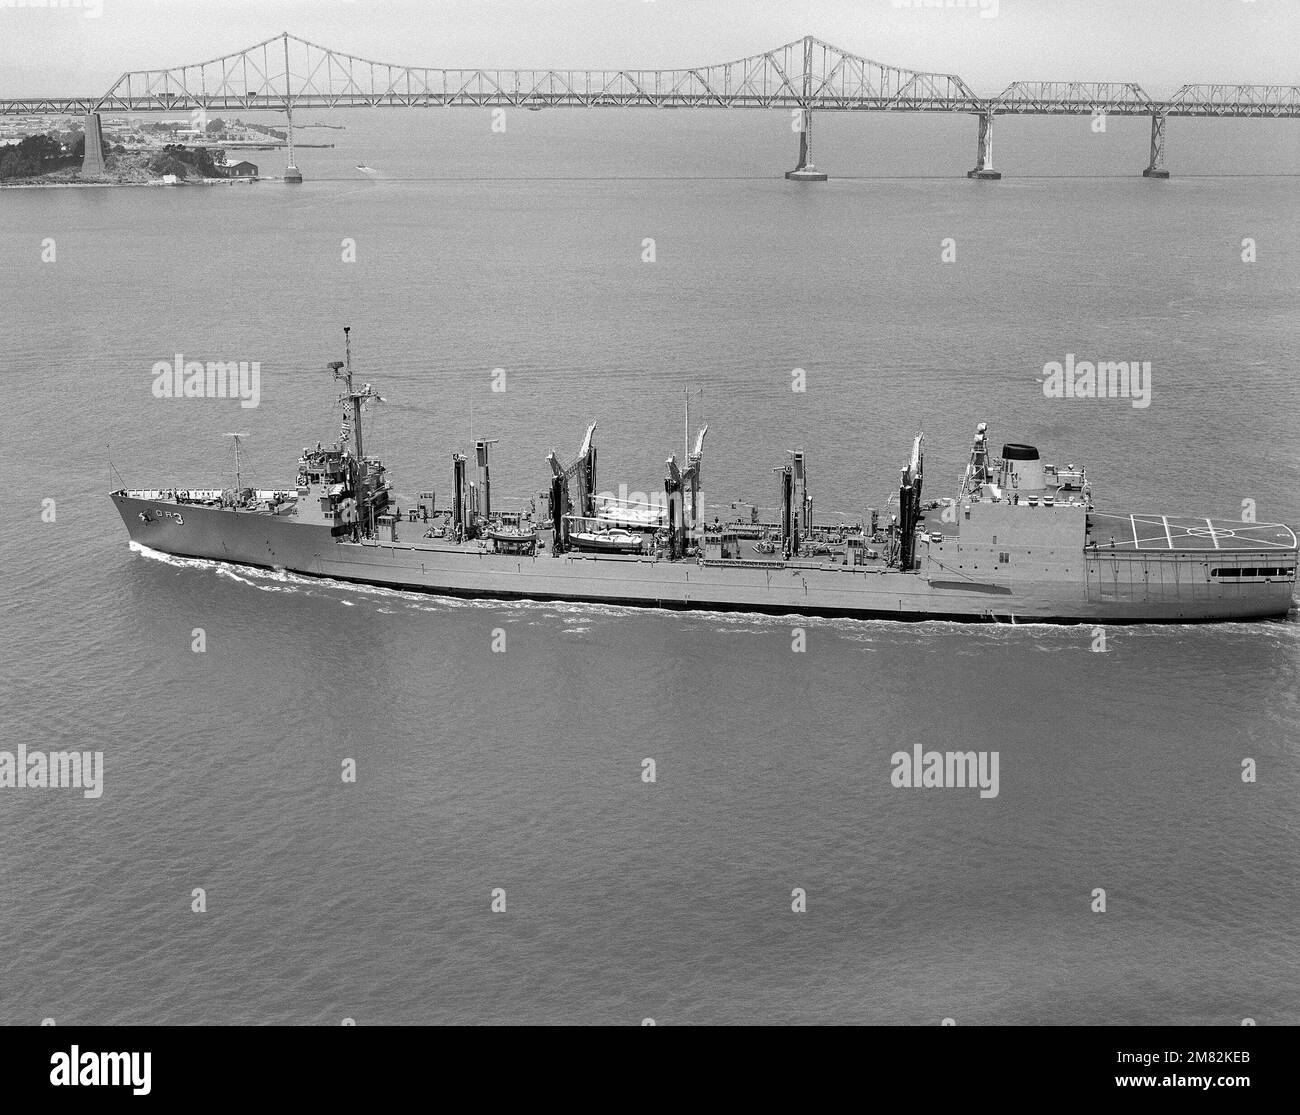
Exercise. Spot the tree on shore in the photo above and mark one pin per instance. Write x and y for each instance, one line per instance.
(31, 156)
(166, 162)
(180, 160)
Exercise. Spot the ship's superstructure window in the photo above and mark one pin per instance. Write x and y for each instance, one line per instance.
(1004, 557)
(1262, 571)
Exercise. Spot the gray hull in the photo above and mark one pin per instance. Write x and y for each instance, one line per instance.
(1107, 588)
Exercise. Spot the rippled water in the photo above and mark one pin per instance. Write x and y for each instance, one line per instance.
(522, 770)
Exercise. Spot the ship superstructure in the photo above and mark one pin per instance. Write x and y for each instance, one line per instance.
(1019, 542)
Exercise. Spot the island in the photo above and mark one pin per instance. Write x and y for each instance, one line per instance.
(35, 151)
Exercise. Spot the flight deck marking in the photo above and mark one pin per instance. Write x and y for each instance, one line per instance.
(1140, 542)
(1168, 537)
(1213, 537)
(1133, 523)
(1269, 541)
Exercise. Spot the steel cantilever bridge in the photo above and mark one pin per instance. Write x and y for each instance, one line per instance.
(286, 72)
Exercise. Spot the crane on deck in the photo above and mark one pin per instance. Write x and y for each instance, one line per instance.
(682, 487)
(693, 478)
(583, 468)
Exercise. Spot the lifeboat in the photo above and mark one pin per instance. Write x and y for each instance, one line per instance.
(613, 541)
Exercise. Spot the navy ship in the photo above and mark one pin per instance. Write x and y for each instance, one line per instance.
(1019, 542)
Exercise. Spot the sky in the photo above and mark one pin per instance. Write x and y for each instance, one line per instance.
(79, 47)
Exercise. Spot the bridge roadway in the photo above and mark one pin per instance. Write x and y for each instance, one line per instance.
(807, 75)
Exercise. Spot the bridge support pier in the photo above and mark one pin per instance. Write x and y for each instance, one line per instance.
(804, 171)
(92, 162)
(291, 173)
(1156, 168)
(984, 151)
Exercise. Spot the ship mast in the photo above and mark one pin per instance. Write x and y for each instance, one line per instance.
(356, 401)
(342, 369)
(239, 477)
(977, 467)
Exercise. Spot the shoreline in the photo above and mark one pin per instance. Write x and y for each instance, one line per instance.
(29, 185)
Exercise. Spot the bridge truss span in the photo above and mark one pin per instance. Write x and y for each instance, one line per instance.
(1073, 98)
(1269, 101)
(288, 70)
